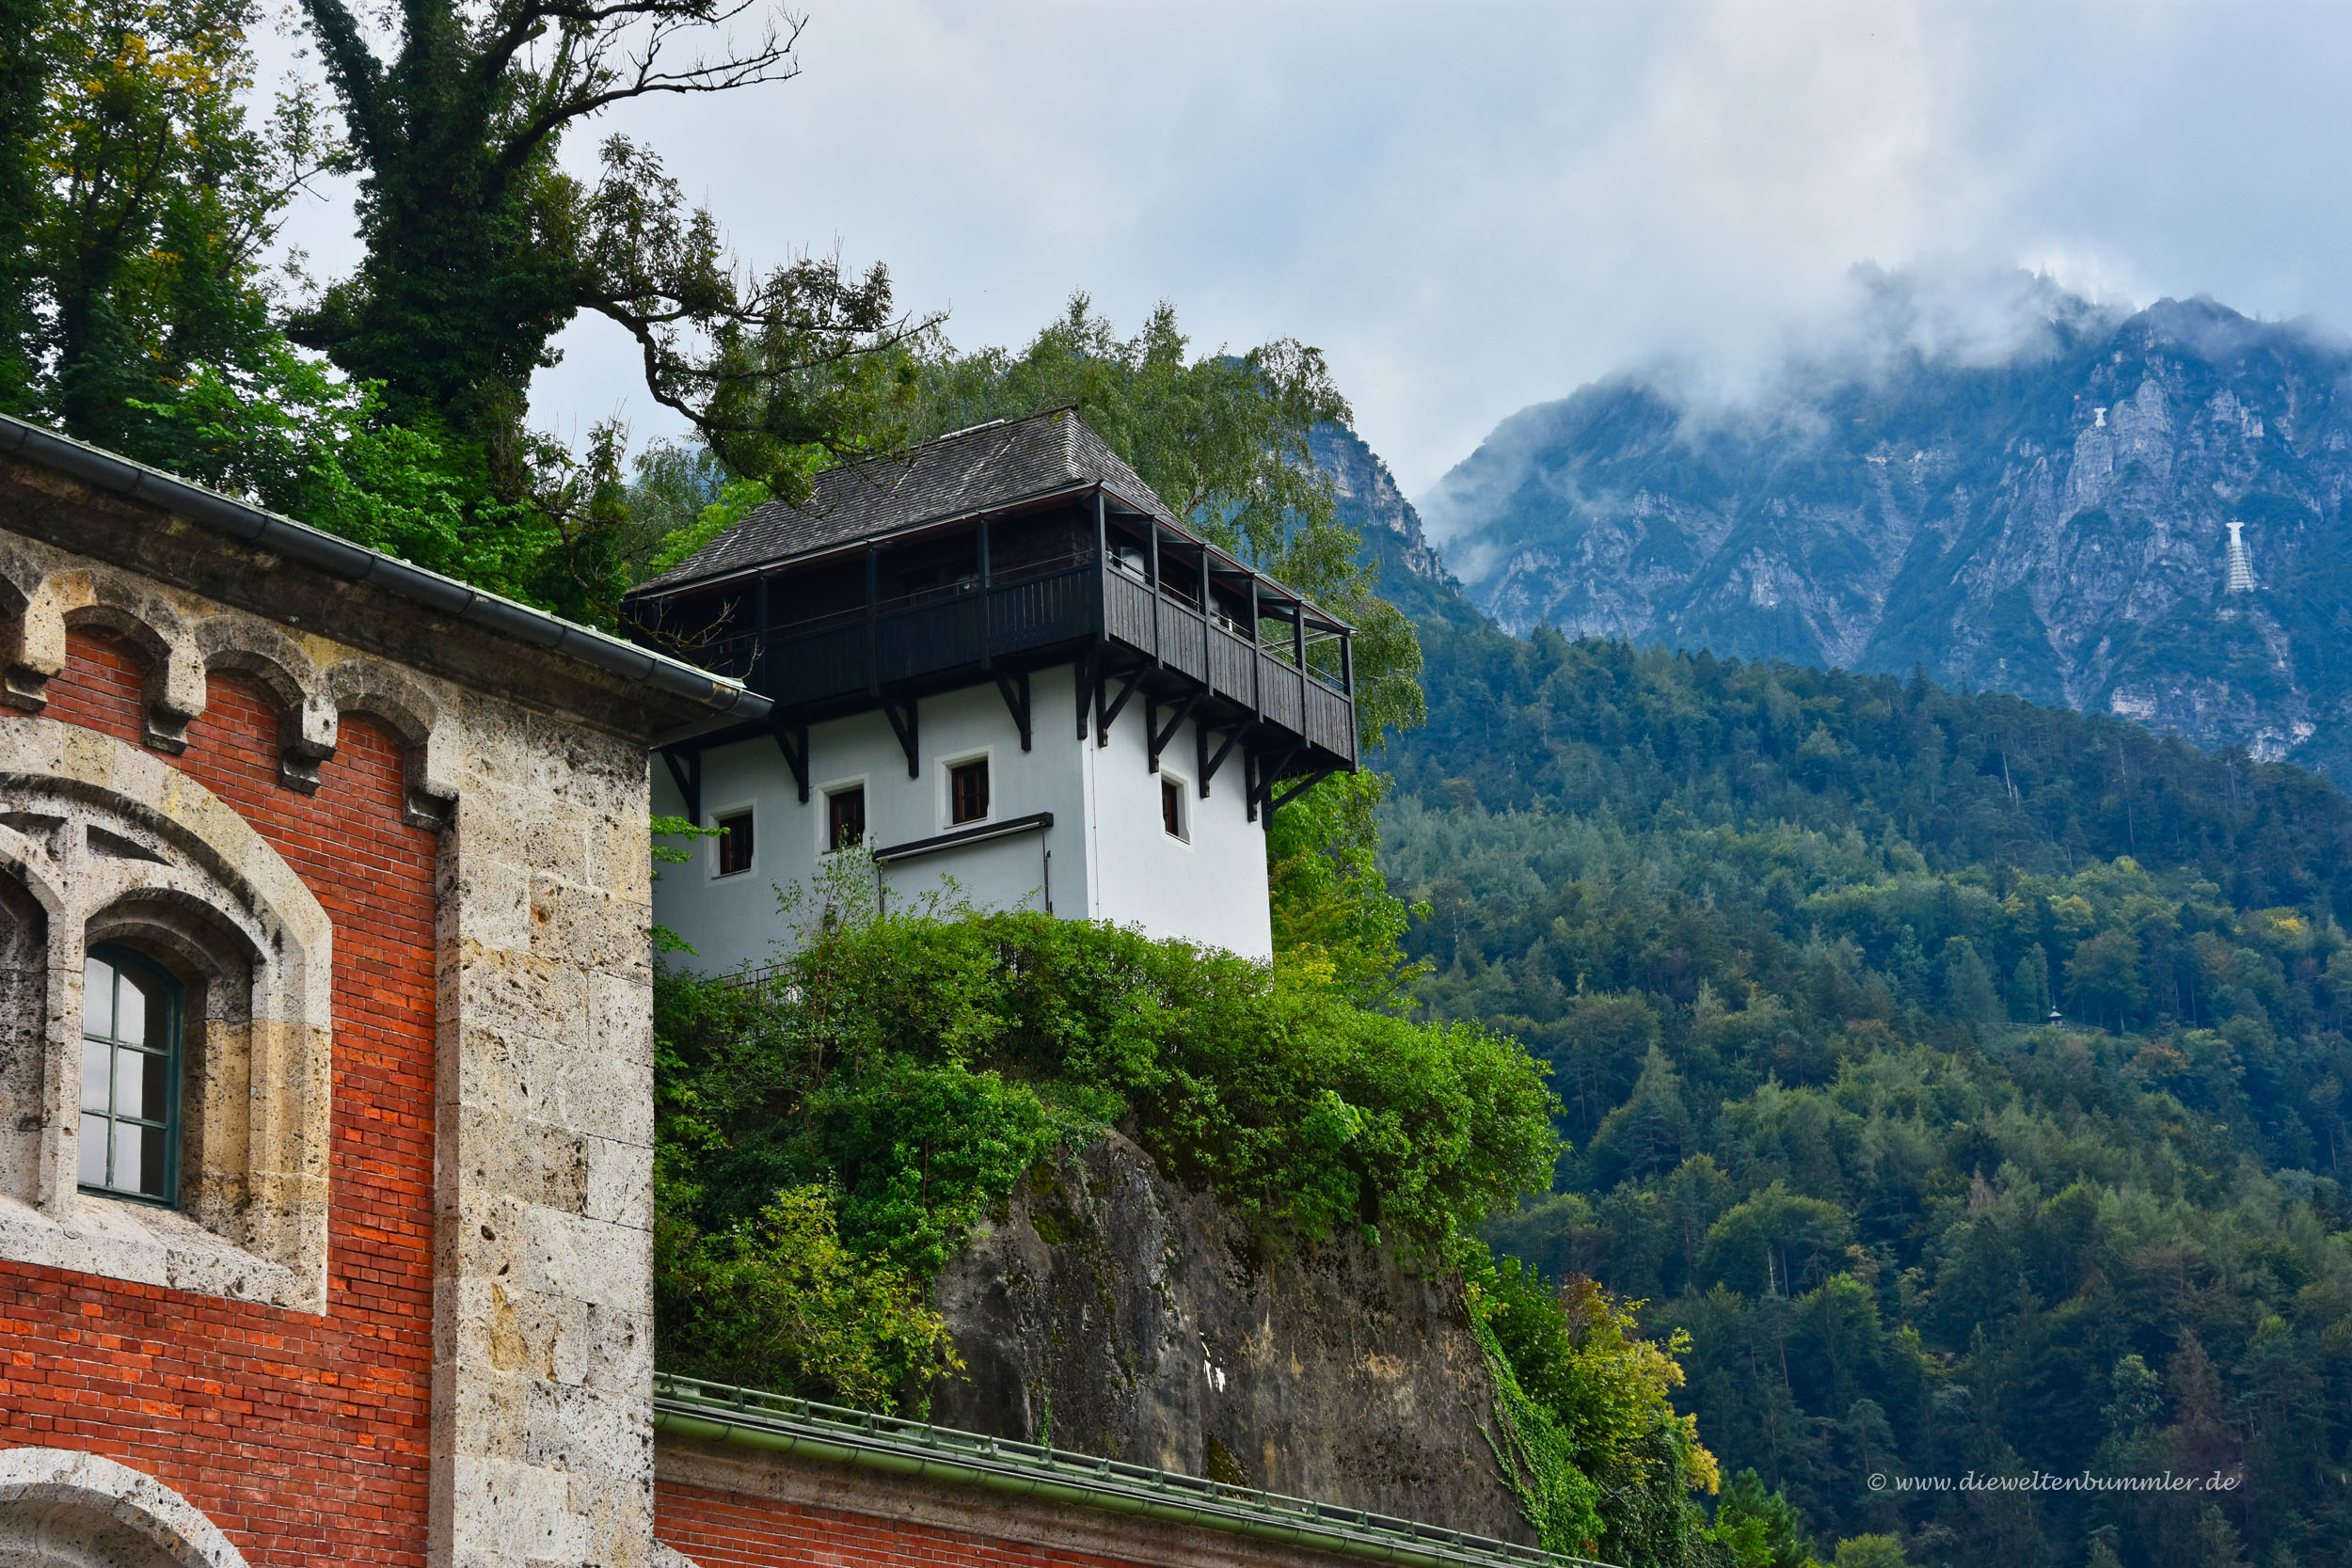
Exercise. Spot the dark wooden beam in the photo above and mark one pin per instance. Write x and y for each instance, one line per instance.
(792, 740)
(903, 727)
(1158, 737)
(1084, 670)
(1110, 711)
(1268, 775)
(1015, 691)
(1275, 803)
(690, 781)
(1209, 764)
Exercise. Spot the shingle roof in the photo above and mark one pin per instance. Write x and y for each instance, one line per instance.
(971, 471)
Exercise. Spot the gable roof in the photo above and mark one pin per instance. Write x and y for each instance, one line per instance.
(984, 469)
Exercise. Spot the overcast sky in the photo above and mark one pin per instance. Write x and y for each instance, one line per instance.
(1473, 206)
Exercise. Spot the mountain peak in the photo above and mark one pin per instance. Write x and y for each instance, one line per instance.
(2052, 522)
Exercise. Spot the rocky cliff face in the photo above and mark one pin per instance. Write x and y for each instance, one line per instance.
(1112, 1312)
(2054, 525)
(1370, 502)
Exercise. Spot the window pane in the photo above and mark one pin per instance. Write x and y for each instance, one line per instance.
(142, 1084)
(735, 844)
(967, 791)
(93, 1151)
(152, 1174)
(94, 1061)
(847, 808)
(127, 1168)
(97, 997)
(158, 1031)
(1171, 809)
(131, 1016)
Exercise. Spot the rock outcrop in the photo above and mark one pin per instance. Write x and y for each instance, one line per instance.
(1110, 1311)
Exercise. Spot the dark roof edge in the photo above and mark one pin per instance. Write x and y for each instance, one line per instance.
(1165, 517)
(340, 557)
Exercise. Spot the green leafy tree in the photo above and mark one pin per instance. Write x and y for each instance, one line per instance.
(24, 80)
(1761, 1528)
(1330, 902)
(1968, 985)
(2102, 978)
(142, 200)
(1871, 1551)
(774, 1299)
(480, 248)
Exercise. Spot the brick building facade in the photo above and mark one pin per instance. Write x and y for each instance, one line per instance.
(325, 1044)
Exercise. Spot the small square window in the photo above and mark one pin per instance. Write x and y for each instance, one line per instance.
(967, 791)
(734, 843)
(1172, 810)
(845, 818)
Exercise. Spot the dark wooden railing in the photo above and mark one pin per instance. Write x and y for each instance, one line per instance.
(846, 654)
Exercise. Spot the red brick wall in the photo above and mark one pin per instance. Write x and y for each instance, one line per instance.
(304, 1438)
(722, 1529)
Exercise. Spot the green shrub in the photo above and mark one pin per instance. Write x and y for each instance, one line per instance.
(901, 1071)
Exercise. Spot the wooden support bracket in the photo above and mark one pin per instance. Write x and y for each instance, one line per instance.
(688, 775)
(1110, 711)
(1015, 692)
(1209, 764)
(1275, 803)
(1159, 736)
(902, 717)
(792, 740)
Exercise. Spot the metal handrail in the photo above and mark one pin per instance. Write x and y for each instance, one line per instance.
(694, 1407)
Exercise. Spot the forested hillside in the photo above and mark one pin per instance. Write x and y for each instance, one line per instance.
(1790, 940)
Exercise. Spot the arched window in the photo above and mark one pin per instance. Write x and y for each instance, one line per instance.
(130, 1144)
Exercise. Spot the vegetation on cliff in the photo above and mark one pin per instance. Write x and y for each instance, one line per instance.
(1791, 941)
(914, 1067)
(829, 1137)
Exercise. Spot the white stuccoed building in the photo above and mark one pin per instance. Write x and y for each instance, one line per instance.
(998, 659)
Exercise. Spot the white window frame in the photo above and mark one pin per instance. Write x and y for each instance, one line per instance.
(823, 799)
(946, 803)
(1185, 803)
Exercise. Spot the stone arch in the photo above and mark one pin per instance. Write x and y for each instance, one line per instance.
(62, 1509)
(115, 844)
(411, 711)
(174, 692)
(306, 717)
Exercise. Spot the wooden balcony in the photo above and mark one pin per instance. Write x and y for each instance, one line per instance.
(964, 635)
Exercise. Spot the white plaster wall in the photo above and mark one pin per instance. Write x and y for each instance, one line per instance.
(737, 920)
(1211, 890)
(1110, 858)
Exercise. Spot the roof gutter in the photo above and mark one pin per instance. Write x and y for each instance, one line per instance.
(340, 557)
(1059, 1476)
